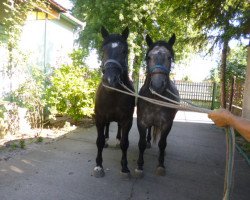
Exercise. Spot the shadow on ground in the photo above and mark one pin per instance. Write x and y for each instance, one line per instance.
(195, 162)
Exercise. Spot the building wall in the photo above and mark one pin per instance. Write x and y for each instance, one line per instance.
(45, 43)
(50, 43)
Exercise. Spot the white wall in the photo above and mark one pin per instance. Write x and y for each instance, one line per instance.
(55, 36)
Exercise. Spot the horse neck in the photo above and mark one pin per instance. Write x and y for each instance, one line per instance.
(147, 80)
(125, 78)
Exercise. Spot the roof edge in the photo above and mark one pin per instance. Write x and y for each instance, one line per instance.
(72, 19)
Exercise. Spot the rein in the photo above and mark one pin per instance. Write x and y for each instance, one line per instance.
(230, 135)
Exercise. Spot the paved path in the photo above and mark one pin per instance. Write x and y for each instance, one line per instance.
(195, 162)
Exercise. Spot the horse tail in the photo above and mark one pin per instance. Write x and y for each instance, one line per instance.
(155, 133)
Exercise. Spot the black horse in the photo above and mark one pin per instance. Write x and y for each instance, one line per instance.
(109, 104)
(159, 58)
(118, 135)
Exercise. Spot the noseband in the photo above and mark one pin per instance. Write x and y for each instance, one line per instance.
(117, 65)
(162, 68)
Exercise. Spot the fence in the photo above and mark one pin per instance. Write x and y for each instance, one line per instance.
(199, 93)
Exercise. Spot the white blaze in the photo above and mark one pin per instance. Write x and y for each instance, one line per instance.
(114, 45)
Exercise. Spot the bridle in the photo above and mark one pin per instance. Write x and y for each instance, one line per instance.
(162, 70)
(117, 65)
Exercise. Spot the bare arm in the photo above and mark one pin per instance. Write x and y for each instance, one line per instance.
(223, 118)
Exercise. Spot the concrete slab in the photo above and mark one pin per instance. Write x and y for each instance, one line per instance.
(195, 162)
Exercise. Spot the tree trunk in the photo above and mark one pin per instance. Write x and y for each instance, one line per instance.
(135, 73)
(223, 73)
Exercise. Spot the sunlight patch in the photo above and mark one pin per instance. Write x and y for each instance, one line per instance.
(16, 169)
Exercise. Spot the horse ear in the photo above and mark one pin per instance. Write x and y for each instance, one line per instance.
(104, 32)
(125, 33)
(171, 41)
(149, 40)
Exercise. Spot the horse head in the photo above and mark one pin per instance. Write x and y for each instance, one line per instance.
(159, 57)
(115, 57)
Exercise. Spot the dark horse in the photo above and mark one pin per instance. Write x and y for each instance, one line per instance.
(111, 105)
(159, 58)
(118, 135)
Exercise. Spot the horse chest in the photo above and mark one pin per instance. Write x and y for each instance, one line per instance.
(112, 107)
(155, 115)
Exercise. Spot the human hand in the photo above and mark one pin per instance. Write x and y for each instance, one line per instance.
(221, 117)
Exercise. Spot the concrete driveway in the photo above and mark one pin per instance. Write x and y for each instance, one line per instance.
(61, 170)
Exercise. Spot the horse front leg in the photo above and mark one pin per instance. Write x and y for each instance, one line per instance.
(100, 142)
(106, 135)
(124, 144)
(118, 136)
(149, 137)
(160, 170)
(142, 144)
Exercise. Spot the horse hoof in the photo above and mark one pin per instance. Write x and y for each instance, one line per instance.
(148, 145)
(139, 173)
(160, 171)
(125, 175)
(98, 172)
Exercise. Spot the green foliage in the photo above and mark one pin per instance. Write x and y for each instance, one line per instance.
(22, 143)
(72, 89)
(153, 17)
(236, 66)
(2, 111)
(30, 95)
(237, 63)
(14, 16)
(216, 21)
(39, 139)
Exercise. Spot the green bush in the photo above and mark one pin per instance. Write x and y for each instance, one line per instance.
(30, 95)
(72, 89)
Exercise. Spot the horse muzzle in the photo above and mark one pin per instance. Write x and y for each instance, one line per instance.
(158, 86)
(112, 81)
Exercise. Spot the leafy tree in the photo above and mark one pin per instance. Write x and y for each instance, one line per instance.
(219, 22)
(152, 17)
(236, 66)
(197, 24)
(237, 63)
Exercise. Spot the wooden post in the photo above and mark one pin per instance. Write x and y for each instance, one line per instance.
(214, 94)
(246, 96)
(223, 73)
(231, 93)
